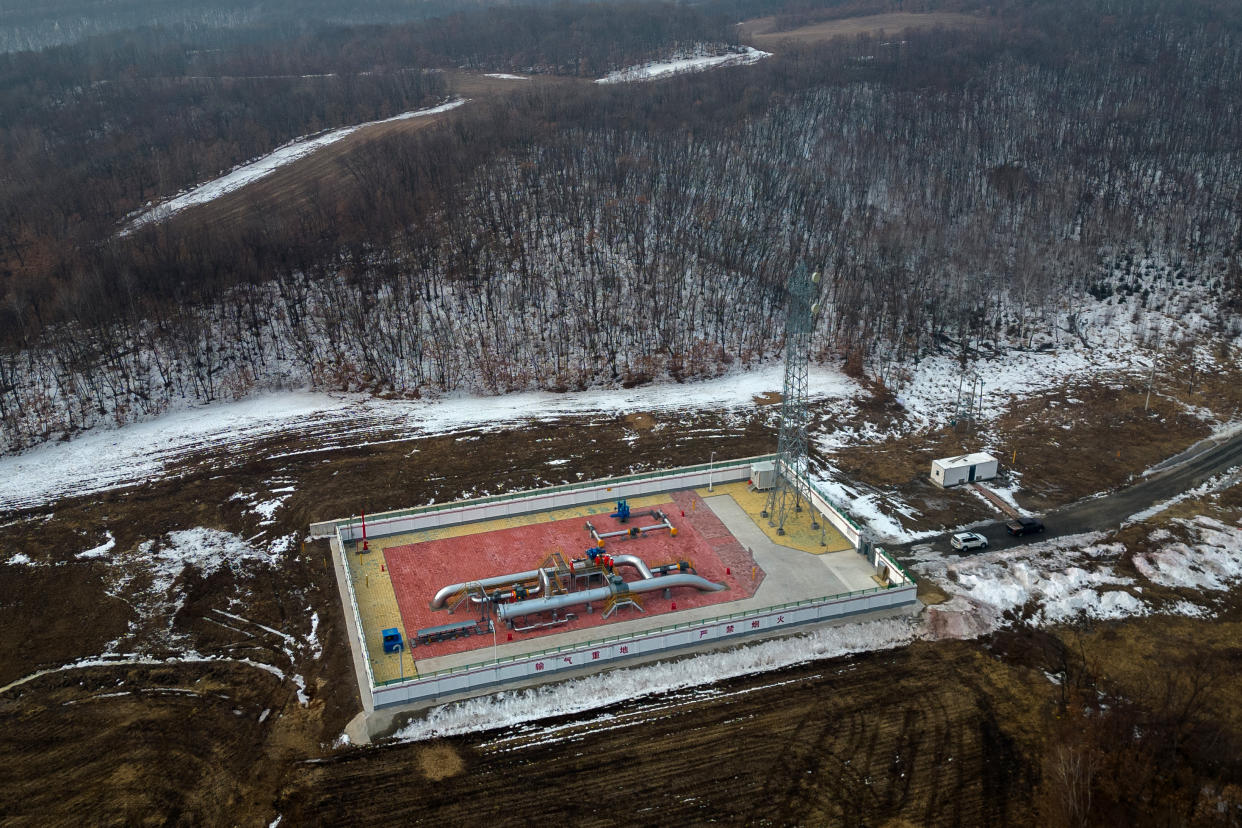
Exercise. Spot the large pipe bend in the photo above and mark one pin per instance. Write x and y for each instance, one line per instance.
(634, 561)
(499, 580)
(677, 580)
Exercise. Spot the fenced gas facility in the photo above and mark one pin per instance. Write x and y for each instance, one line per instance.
(585, 576)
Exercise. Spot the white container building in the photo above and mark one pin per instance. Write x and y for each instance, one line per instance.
(965, 468)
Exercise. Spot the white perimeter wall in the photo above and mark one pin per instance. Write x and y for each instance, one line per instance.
(844, 525)
(887, 566)
(390, 523)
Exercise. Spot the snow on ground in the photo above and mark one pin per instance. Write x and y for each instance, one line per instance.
(503, 76)
(634, 714)
(1006, 493)
(207, 550)
(300, 684)
(626, 685)
(1213, 562)
(100, 551)
(931, 395)
(873, 508)
(122, 659)
(1062, 578)
(312, 638)
(107, 459)
(688, 63)
(266, 165)
(146, 579)
(1058, 580)
(1089, 337)
(267, 509)
(1220, 433)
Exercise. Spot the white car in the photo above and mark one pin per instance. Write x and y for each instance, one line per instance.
(965, 541)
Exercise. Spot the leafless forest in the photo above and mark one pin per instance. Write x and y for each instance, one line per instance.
(960, 189)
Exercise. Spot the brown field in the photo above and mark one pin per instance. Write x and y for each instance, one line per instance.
(945, 733)
(761, 31)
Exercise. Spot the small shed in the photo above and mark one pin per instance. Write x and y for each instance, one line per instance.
(763, 475)
(965, 468)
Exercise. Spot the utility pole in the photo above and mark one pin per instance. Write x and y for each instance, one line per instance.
(1150, 379)
(791, 487)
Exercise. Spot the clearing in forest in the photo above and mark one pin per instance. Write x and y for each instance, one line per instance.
(761, 30)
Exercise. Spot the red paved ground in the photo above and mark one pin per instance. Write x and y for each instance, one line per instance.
(418, 570)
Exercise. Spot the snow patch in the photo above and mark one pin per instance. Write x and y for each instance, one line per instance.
(873, 508)
(267, 509)
(625, 685)
(207, 550)
(110, 458)
(680, 65)
(1005, 493)
(1062, 579)
(300, 684)
(1213, 561)
(147, 578)
(125, 659)
(266, 165)
(1057, 580)
(100, 551)
(312, 640)
(282, 544)
(930, 395)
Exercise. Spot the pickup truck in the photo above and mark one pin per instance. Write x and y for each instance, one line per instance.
(1025, 526)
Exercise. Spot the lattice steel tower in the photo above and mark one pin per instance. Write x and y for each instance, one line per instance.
(791, 488)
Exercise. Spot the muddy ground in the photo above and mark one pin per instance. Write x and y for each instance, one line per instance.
(202, 722)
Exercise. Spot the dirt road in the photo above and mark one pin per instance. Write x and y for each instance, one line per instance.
(1178, 475)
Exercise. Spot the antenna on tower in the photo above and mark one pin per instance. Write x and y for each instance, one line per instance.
(791, 489)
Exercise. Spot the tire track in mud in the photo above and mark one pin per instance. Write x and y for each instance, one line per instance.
(74, 747)
(905, 735)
